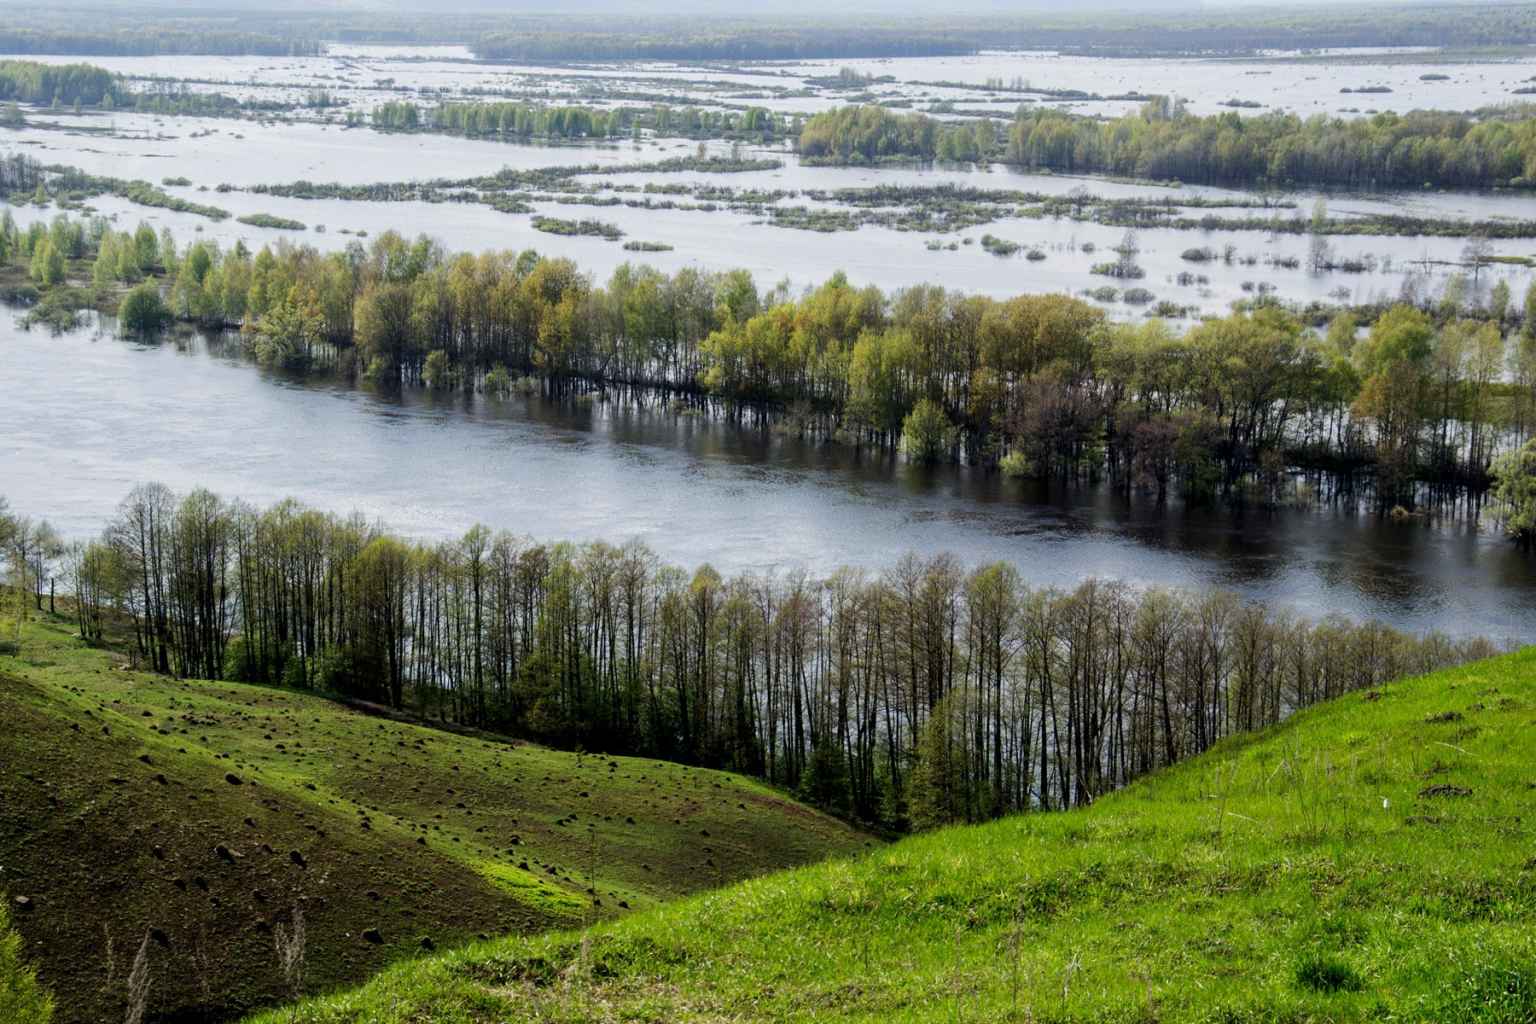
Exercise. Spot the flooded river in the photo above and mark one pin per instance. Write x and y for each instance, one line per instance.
(89, 415)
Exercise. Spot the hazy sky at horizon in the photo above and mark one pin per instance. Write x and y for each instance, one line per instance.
(732, 9)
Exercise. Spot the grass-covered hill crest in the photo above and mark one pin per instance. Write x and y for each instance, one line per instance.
(1371, 859)
(202, 822)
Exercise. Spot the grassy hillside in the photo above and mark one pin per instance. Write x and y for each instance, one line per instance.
(1372, 859)
(208, 812)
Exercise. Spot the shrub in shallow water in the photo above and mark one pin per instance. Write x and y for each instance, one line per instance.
(927, 435)
(143, 311)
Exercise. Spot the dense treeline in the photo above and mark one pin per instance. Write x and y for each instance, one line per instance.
(924, 694)
(1039, 384)
(1234, 30)
(1099, 33)
(86, 85)
(1408, 150)
(1163, 141)
(152, 41)
(871, 134)
(28, 81)
(1045, 386)
(20, 173)
(508, 119)
(757, 42)
(181, 101)
(534, 121)
(702, 35)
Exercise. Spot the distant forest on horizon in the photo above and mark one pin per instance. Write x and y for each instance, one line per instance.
(590, 34)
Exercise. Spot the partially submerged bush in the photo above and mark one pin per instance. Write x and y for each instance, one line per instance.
(143, 311)
(927, 435)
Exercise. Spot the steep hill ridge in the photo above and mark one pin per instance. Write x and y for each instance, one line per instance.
(204, 814)
(1371, 859)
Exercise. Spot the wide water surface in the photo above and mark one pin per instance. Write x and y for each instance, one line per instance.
(87, 416)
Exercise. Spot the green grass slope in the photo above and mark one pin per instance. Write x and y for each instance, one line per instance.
(1372, 859)
(207, 812)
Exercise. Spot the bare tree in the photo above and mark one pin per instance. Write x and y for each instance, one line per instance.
(290, 941)
(1477, 254)
(138, 985)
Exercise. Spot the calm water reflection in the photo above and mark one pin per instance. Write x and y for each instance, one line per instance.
(87, 416)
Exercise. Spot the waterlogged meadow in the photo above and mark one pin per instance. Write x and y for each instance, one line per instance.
(697, 165)
(315, 122)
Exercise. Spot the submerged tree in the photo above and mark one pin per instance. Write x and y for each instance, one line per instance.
(1395, 362)
(286, 334)
(143, 311)
(48, 266)
(927, 435)
(1514, 493)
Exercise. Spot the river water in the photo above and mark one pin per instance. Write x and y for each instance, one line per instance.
(88, 415)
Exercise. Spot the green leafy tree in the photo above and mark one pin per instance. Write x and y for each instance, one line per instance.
(927, 435)
(104, 269)
(737, 297)
(825, 782)
(285, 335)
(146, 248)
(498, 381)
(1498, 301)
(1395, 394)
(143, 310)
(1341, 332)
(1514, 493)
(128, 270)
(1454, 298)
(437, 372)
(167, 247)
(68, 236)
(191, 296)
(383, 327)
(47, 264)
(936, 797)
